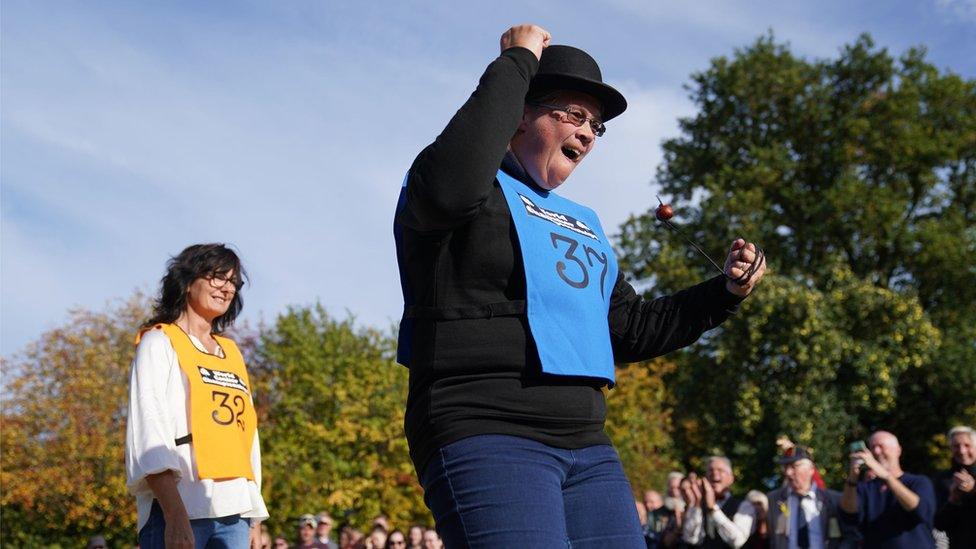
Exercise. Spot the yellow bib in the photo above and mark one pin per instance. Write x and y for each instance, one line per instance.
(222, 419)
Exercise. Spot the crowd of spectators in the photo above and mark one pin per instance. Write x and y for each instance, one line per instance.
(879, 506)
(317, 532)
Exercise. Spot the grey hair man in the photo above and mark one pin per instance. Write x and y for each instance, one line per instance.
(714, 517)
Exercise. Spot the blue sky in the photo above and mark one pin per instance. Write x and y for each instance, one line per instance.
(132, 129)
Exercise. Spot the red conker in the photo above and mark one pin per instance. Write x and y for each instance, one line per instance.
(664, 212)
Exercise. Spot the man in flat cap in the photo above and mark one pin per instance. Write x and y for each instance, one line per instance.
(802, 515)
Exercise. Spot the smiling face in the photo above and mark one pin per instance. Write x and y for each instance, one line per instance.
(963, 448)
(720, 475)
(548, 145)
(211, 296)
(885, 448)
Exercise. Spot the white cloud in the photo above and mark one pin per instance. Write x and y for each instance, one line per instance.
(299, 169)
(963, 9)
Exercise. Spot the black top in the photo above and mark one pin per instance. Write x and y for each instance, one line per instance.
(458, 248)
(957, 520)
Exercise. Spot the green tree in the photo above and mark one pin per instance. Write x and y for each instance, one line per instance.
(64, 407)
(332, 436)
(639, 423)
(858, 177)
(817, 364)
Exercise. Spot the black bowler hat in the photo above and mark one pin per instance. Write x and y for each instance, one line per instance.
(800, 452)
(569, 68)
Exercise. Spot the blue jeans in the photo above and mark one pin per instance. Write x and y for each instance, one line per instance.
(231, 532)
(492, 491)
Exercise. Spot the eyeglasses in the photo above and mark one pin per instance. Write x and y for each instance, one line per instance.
(576, 117)
(221, 280)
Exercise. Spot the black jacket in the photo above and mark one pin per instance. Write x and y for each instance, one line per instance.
(957, 520)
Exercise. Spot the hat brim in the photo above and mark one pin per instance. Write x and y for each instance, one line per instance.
(611, 100)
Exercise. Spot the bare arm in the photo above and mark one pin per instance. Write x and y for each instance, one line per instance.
(848, 499)
(255, 534)
(178, 532)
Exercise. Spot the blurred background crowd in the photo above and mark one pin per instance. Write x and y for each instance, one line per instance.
(887, 507)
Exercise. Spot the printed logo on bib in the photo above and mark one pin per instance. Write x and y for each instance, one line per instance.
(563, 220)
(223, 379)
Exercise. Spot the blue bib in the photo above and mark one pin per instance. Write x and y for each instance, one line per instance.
(570, 271)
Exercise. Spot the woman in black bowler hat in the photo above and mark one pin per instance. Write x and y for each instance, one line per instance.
(515, 312)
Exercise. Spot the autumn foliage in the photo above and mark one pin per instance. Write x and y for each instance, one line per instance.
(64, 405)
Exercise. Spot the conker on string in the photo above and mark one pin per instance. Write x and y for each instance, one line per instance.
(663, 212)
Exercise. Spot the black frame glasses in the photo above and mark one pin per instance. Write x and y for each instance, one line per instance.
(576, 117)
(220, 280)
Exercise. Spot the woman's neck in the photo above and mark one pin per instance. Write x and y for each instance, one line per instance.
(194, 324)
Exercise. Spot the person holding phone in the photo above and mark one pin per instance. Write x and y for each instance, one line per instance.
(192, 455)
(892, 509)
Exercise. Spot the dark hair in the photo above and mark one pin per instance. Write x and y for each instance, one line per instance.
(389, 538)
(197, 261)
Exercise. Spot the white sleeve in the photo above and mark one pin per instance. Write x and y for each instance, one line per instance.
(259, 510)
(735, 532)
(256, 459)
(150, 445)
(693, 530)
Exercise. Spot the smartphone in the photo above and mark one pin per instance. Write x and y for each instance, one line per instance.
(858, 446)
